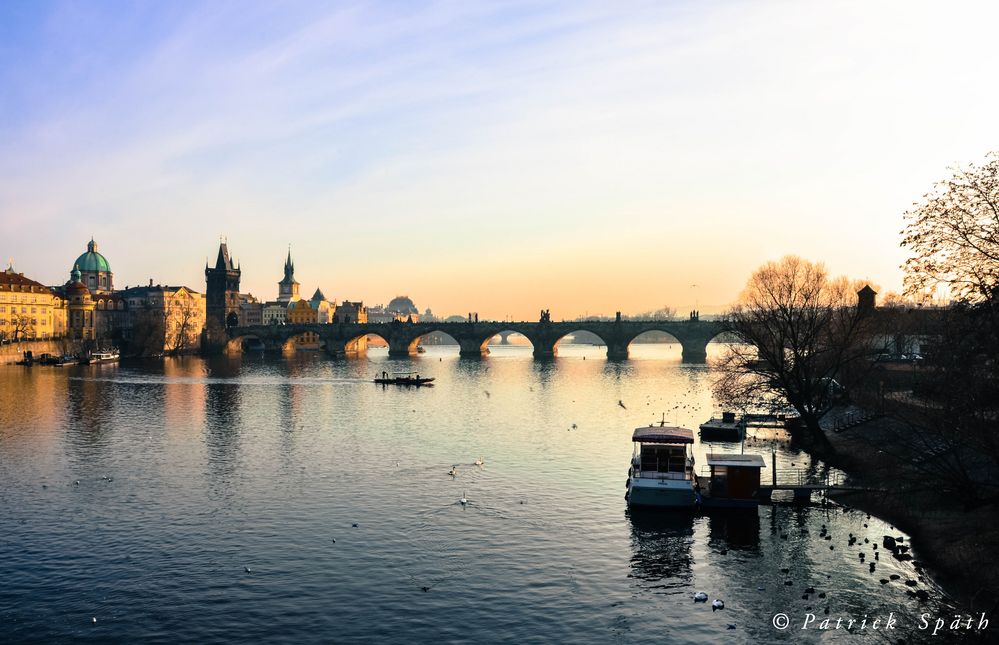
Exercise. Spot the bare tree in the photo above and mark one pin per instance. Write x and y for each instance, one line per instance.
(23, 327)
(799, 331)
(181, 326)
(148, 330)
(953, 235)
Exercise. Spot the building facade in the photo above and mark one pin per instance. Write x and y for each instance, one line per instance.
(29, 309)
(81, 324)
(300, 312)
(274, 313)
(167, 319)
(350, 312)
(324, 309)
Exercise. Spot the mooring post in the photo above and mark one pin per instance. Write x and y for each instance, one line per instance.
(773, 465)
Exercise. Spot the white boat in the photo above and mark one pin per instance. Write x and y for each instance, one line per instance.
(662, 468)
(106, 356)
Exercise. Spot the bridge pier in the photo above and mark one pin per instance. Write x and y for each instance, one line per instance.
(402, 347)
(544, 350)
(335, 348)
(694, 352)
(617, 351)
(472, 347)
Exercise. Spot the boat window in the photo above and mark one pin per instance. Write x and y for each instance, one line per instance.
(664, 459)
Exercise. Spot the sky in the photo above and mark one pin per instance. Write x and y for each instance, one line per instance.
(492, 157)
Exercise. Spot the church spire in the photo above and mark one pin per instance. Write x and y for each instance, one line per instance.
(289, 267)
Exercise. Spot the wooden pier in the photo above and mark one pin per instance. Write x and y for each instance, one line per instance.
(804, 482)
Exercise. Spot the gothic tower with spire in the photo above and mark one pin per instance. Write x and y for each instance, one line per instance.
(288, 288)
(221, 295)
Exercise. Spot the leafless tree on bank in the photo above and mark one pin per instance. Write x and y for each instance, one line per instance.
(181, 327)
(953, 235)
(23, 327)
(800, 334)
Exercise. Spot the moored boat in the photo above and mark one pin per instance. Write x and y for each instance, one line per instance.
(727, 428)
(104, 356)
(662, 468)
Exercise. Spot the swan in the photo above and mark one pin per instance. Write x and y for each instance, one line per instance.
(479, 462)
(717, 604)
(453, 472)
(463, 501)
(700, 596)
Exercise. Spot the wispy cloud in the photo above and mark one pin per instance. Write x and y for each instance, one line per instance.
(483, 139)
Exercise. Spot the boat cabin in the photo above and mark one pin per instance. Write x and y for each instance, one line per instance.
(734, 476)
(661, 453)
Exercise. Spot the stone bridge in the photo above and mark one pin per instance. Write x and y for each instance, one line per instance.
(473, 337)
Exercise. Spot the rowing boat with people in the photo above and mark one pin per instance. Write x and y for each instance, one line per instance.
(405, 378)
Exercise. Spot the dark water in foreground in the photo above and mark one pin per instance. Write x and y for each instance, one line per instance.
(266, 464)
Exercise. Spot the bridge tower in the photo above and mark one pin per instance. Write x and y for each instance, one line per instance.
(221, 296)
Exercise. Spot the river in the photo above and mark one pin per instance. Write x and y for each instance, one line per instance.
(290, 500)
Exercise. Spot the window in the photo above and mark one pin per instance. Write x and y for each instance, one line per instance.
(3, 310)
(33, 310)
(24, 310)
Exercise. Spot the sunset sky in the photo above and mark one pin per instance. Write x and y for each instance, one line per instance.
(493, 157)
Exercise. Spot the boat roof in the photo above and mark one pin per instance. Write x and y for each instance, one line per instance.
(663, 434)
(739, 461)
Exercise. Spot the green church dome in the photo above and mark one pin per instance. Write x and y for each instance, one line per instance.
(92, 261)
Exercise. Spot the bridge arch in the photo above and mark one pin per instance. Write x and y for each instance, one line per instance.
(237, 345)
(264, 340)
(355, 344)
(657, 343)
(504, 335)
(413, 344)
(303, 341)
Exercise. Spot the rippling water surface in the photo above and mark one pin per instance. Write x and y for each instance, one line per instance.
(289, 499)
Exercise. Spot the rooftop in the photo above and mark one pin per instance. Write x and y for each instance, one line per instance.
(736, 460)
(663, 434)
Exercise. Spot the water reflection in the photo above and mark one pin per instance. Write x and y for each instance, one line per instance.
(661, 544)
(737, 529)
(222, 428)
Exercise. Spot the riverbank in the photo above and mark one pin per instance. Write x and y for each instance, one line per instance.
(10, 353)
(959, 546)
